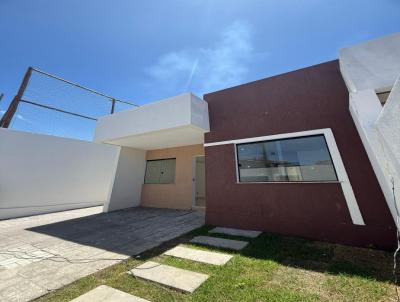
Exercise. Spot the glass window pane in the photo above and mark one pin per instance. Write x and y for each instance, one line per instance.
(295, 159)
(153, 172)
(160, 171)
(168, 171)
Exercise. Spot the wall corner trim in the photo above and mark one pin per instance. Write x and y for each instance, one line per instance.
(348, 192)
(106, 206)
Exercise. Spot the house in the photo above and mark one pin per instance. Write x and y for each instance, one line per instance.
(313, 153)
(285, 154)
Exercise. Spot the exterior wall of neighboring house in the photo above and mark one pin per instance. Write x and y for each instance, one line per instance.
(367, 111)
(42, 174)
(372, 64)
(351, 211)
(178, 195)
(369, 69)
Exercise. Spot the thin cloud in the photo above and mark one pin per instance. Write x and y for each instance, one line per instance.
(23, 118)
(224, 64)
(18, 116)
(194, 67)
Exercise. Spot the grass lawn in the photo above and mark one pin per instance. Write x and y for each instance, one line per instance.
(271, 268)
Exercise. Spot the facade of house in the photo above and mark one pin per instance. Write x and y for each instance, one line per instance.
(290, 161)
(313, 153)
(285, 154)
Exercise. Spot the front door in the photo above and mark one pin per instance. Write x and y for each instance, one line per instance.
(199, 181)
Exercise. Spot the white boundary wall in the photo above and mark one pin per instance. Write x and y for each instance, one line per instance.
(41, 173)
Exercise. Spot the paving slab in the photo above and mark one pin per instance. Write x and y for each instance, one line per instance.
(198, 255)
(104, 293)
(180, 279)
(236, 245)
(82, 242)
(236, 232)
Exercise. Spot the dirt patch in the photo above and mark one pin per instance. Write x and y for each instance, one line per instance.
(327, 287)
(299, 280)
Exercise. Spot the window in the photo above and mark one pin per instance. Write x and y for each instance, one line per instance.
(286, 160)
(161, 171)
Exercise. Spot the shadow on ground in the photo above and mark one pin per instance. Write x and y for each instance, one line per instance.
(305, 254)
(149, 232)
(128, 232)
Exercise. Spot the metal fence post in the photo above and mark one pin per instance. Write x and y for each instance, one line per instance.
(8, 115)
(112, 106)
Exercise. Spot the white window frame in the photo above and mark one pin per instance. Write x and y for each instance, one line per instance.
(194, 157)
(341, 173)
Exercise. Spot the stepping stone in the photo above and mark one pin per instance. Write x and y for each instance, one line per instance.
(198, 255)
(104, 293)
(236, 232)
(220, 242)
(176, 278)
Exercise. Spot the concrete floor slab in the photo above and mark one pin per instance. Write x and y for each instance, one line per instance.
(220, 242)
(45, 252)
(104, 293)
(198, 255)
(180, 279)
(236, 232)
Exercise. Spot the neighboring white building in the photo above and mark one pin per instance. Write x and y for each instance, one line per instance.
(371, 71)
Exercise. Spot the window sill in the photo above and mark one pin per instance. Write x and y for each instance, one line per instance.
(152, 184)
(288, 182)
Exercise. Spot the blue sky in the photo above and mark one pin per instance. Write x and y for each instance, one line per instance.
(148, 50)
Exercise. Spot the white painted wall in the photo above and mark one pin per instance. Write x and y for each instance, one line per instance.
(369, 68)
(129, 177)
(388, 122)
(42, 173)
(366, 109)
(373, 64)
(173, 122)
(199, 113)
(388, 128)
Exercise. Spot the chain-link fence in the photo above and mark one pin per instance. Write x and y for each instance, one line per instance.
(51, 105)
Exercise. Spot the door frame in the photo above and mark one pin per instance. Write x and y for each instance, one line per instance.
(194, 157)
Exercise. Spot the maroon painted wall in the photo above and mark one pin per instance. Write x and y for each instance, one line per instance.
(306, 99)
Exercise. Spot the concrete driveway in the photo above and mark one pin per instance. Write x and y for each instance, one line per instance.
(41, 253)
